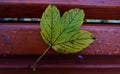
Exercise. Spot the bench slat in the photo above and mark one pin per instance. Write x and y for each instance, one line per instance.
(95, 9)
(25, 39)
(61, 65)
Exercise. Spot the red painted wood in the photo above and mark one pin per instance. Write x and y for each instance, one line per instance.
(95, 9)
(61, 64)
(81, 2)
(25, 39)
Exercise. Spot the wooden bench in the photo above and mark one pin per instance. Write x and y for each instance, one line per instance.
(21, 43)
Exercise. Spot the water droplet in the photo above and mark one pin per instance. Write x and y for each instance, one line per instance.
(118, 45)
(117, 49)
(30, 32)
(4, 55)
(80, 56)
(110, 48)
(100, 42)
(108, 43)
(117, 35)
(102, 2)
(14, 31)
(110, 53)
(97, 51)
(7, 51)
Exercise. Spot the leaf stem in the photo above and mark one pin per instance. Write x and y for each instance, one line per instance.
(33, 66)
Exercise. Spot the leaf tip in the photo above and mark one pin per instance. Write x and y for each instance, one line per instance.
(51, 4)
(94, 38)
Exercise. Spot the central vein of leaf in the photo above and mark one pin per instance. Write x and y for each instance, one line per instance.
(70, 21)
(51, 25)
(72, 40)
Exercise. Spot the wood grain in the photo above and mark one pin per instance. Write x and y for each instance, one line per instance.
(61, 64)
(95, 9)
(25, 39)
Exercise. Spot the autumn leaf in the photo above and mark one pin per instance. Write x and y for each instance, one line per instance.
(62, 33)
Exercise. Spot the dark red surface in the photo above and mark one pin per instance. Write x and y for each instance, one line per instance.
(61, 64)
(95, 9)
(25, 39)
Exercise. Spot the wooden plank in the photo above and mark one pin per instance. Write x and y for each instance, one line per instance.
(25, 39)
(95, 9)
(61, 64)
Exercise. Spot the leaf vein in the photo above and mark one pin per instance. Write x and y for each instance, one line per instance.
(72, 40)
(65, 28)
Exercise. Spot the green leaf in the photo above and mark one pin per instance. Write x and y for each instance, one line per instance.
(62, 33)
(71, 21)
(76, 41)
(50, 24)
